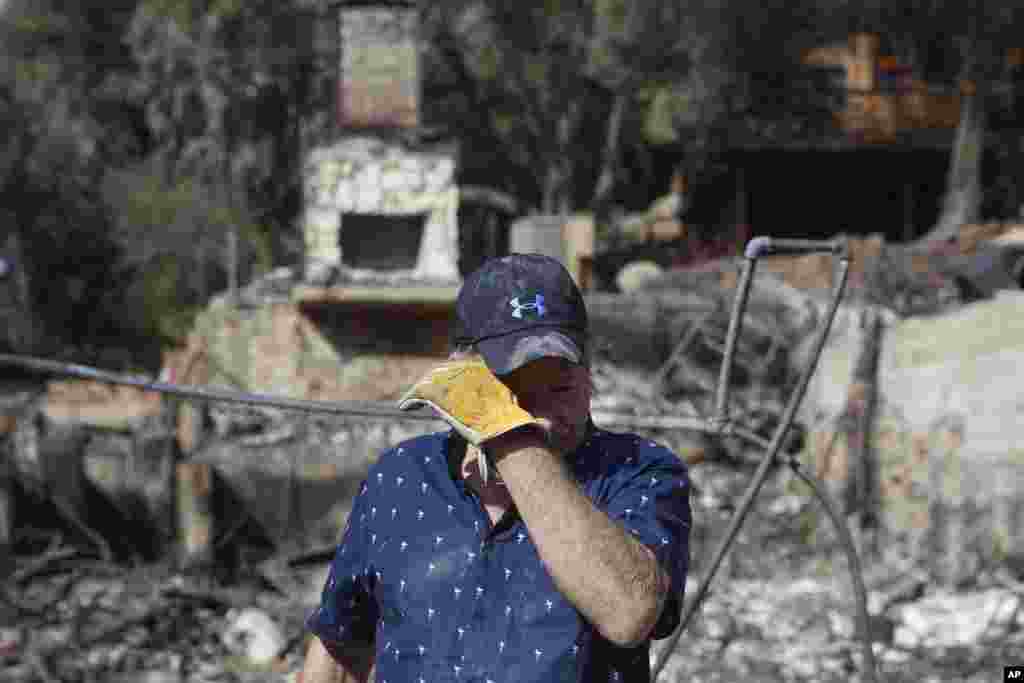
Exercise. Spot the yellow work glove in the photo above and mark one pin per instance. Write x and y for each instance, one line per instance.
(467, 395)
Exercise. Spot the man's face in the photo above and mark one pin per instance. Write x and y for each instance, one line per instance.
(556, 392)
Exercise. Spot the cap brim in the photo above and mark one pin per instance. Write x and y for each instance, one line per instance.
(512, 351)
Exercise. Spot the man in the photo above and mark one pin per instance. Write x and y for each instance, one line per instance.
(525, 545)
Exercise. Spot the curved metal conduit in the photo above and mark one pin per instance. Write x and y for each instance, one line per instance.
(719, 424)
(722, 424)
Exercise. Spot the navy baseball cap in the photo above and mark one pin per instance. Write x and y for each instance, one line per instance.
(519, 308)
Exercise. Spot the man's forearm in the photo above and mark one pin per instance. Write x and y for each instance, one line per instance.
(612, 578)
(321, 667)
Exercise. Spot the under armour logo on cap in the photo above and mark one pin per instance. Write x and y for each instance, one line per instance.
(521, 308)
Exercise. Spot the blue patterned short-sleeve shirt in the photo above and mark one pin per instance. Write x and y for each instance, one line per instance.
(445, 595)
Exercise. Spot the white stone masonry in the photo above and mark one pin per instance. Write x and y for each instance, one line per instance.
(365, 175)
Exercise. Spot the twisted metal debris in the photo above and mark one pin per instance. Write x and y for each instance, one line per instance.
(719, 424)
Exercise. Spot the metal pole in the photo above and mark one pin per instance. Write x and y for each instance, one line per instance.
(735, 326)
(758, 246)
(373, 409)
(358, 408)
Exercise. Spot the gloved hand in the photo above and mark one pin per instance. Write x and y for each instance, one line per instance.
(467, 395)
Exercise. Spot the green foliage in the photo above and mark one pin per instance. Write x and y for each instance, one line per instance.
(182, 223)
(51, 168)
(34, 70)
(614, 13)
(240, 77)
(227, 9)
(809, 519)
(41, 26)
(1001, 545)
(166, 282)
(72, 264)
(155, 207)
(166, 317)
(665, 109)
(487, 62)
(94, 277)
(823, 567)
(182, 12)
(503, 122)
(255, 238)
(187, 13)
(537, 70)
(527, 87)
(533, 86)
(808, 523)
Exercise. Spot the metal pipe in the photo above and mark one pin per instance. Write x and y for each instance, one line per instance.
(845, 541)
(768, 246)
(379, 409)
(856, 573)
(374, 409)
(735, 325)
(746, 502)
(755, 249)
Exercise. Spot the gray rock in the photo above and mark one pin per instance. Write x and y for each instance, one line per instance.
(253, 634)
(945, 620)
(842, 624)
(320, 273)
(636, 275)
(155, 676)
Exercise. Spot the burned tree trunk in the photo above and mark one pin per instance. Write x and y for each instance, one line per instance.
(962, 202)
(862, 493)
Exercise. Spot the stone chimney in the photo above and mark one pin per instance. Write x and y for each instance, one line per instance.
(381, 207)
(379, 77)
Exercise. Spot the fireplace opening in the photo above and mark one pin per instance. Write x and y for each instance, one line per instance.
(381, 242)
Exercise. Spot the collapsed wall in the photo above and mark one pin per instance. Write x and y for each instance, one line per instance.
(947, 439)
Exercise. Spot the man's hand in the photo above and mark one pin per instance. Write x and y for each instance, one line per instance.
(467, 395)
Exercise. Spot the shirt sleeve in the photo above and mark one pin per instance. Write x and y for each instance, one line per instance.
(651, 500)
(348, 611)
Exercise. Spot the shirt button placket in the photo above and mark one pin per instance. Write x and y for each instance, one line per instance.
(488, 625)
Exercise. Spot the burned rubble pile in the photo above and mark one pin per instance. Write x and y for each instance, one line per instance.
(72, 617)
(781, 608)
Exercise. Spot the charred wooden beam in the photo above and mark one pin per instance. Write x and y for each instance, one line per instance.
(195, 514)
